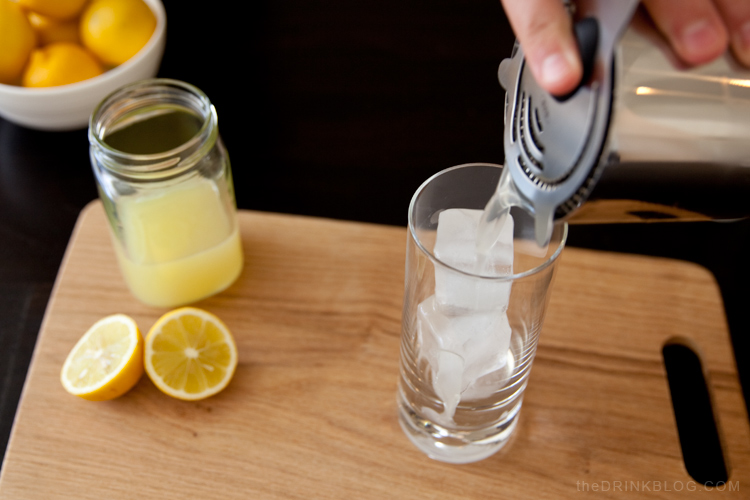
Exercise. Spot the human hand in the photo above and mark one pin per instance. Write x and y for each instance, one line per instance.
(697, 30)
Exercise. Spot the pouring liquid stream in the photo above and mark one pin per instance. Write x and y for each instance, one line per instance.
(497, 210)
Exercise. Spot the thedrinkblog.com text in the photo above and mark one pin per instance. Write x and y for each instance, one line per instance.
(649, 486)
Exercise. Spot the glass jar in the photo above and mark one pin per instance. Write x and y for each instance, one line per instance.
(165, 180)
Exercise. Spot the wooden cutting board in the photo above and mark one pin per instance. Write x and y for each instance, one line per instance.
(311, 411)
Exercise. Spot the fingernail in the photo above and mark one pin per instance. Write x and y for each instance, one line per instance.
(741, 44)
(701, 37)
(742, 37)
(555, 67)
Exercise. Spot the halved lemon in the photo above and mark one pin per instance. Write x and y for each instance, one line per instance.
(190, 354)
(106, 362)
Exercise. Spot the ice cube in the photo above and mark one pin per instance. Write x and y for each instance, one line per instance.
(488, 384)
(456, 245)
(486, 350)
(482, 340)
(446, 380)
(460, 349)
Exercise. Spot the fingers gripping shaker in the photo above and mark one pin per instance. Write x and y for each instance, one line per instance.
(642, 137)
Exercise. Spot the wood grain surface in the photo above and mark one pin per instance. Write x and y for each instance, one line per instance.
(311, 411)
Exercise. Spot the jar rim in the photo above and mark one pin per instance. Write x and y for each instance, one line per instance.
(150, 161)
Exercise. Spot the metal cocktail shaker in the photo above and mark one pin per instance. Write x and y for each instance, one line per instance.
(642, 138)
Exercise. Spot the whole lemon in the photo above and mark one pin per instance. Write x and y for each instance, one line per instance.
(115, 30)
(59, 9)
(50, 30)
(17, 40)
(60, 64)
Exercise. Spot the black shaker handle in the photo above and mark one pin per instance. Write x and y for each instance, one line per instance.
(587, 38)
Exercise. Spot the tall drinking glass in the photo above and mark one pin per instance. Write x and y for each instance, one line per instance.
(468, 336)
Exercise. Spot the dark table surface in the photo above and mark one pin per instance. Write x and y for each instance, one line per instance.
(336, 109)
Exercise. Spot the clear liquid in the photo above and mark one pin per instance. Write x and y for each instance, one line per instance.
(483, 420)
(498, 208)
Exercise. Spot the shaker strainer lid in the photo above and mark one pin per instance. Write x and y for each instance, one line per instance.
(553, 144)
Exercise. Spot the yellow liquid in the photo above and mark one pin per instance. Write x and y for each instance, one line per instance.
(180, 244)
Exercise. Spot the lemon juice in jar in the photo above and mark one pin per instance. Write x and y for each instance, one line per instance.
(164, 177)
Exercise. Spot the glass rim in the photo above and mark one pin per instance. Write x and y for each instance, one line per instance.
(436, 261)
(94, 130)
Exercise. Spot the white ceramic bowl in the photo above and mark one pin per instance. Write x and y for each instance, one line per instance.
(68, 107)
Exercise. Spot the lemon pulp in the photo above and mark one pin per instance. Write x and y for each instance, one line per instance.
(190, 354)
(107, 361)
